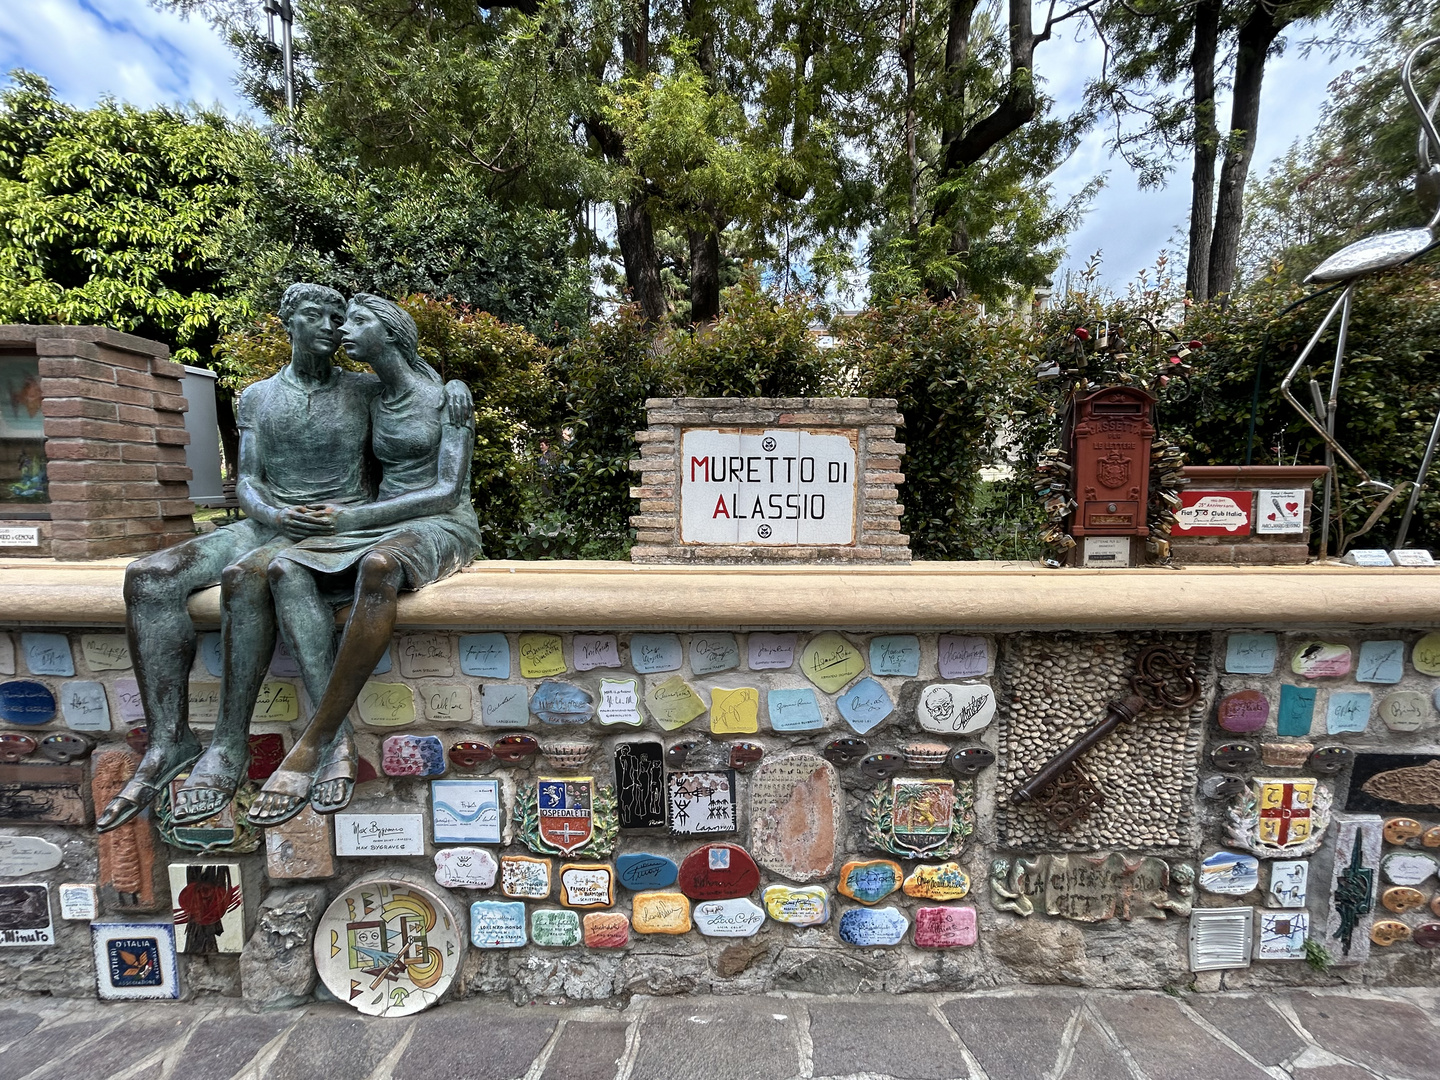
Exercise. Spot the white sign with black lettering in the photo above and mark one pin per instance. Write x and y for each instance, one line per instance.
(19, 536)
(767, 487)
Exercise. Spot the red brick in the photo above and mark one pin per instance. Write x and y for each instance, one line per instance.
(140, 415)
(84, 491)
(100, 470)
(101, 549)
(71, 347)
(109, 508)
(172, 436)
(123, 359)
(181, 473)
(169, 368)
(171, 402)
(81, 450)
(151, 452)
(87, 530)
(85, 388)
(142, 380)
(177, 508)
(78, 406)
(145, 526)
(68, 368)
(65, 427)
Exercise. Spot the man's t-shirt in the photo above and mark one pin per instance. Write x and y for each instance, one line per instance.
(312, 442)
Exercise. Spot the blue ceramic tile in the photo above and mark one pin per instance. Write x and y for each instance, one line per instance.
(873, 926)
(710, 653)
(503, 705)
(210, 654)
(562, 703)
(1297, 710)
(26, 702)
(485, 656)
(1250, 654)
(963, 656)
(794, 710)
(465, 811)
(47, 654)
(1347, 712)
(864, 705)
(84, 707)
(1380, 662)
(895, 654)
(497, 924)
(641, 871)
(652, 653)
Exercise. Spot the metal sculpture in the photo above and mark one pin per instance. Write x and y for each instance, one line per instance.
(1347, 267)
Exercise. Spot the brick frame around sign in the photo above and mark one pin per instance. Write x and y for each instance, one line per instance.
(870, 426)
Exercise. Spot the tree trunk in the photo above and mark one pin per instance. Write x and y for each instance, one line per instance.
(1257, 34)
(1207, 138)
(636, 232)
(704, 273)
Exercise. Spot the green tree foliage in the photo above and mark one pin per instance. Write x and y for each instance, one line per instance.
(108, 216)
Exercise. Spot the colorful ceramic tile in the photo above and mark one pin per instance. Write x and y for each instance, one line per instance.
(1286, 755)
(870, 881)
(955, 708)
(7, 654)
(701, 802)
(807, 905)
(1243, 712)
(587, 885)
(1289, 883)
(735, 712)
(24, 701)
(64, 747)
(386, 704)
(504, 705)
(447, 703)
(1347, 712)
(24, 855)
(595, 651)
(209, 907)
(25, 915)
(1403, 710)
(497, 924)
(204, 697)
(620, 702)
(713, 652)
(1282, 935)
(673, 703)
(1250, 654)
(379, 834)
(606, 929)
(1229, 874)
(1402, 898)
(135, 961)
(660, 913)
(105, 652)
(638, 871)
(1426, 654)
(541, 656)
(944, 927)
(796, 816)
(427, 656)
(943, 882)
(771, 652)
(1281, 816)
(301, 847)
(718, 872)
(84, 706)
(830, 662)
(78, 901)
(524, 878)
(865, 705)
(210, 654)
(15, 747)
(47, 654)
(963, 656)
(1297, 710)
(282, 664)
(1321, 659)
(1220, 938)
(1389, 932)
(738, 918)
(864, 927)
(1351, 895)
(1380, 662)
(794, 710)
(485, 656)
(651, 654)
(128, 706)
(279, 703)
(1403, 831)
(412, 755)
(465, 811)
(554, 928)
(895, 654)
(562, 703)
(922, 815)
(564, 805)
(1407, 867)
(640, 785)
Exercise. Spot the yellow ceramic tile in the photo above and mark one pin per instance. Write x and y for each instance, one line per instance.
(541, 656)
(735, 712)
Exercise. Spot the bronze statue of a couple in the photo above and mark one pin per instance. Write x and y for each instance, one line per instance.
(321, 530)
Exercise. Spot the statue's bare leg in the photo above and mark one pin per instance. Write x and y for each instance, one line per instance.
(367, 635)
(247, 633)
(162, 645)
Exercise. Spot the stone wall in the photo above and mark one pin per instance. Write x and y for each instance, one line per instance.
(1105, 901)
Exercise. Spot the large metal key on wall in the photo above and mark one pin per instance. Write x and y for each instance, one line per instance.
(1163, 679)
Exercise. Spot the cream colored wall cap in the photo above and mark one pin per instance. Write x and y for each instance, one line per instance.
(920, 596)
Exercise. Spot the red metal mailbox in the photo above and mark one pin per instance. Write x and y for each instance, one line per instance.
(1110, 434)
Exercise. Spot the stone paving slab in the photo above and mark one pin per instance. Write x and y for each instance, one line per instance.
(1048, 1034)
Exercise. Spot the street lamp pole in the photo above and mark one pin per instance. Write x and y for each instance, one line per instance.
(286, 14)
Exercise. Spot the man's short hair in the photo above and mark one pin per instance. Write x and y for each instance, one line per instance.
(303, 291)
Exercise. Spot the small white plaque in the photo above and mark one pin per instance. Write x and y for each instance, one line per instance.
(1411, 557)
(1367, 557)
(78, 902)
(19, 536)
(1107, 551)
(1280, 511)
(379, 834)
(26, 855)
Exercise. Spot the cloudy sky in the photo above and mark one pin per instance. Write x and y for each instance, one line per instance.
(124, 48)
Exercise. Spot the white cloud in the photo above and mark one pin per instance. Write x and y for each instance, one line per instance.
(89, 49)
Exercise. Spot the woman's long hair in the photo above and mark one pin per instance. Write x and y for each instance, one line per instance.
(402, 331)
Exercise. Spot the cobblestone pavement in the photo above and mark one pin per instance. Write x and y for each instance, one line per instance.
(1024, 1035)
